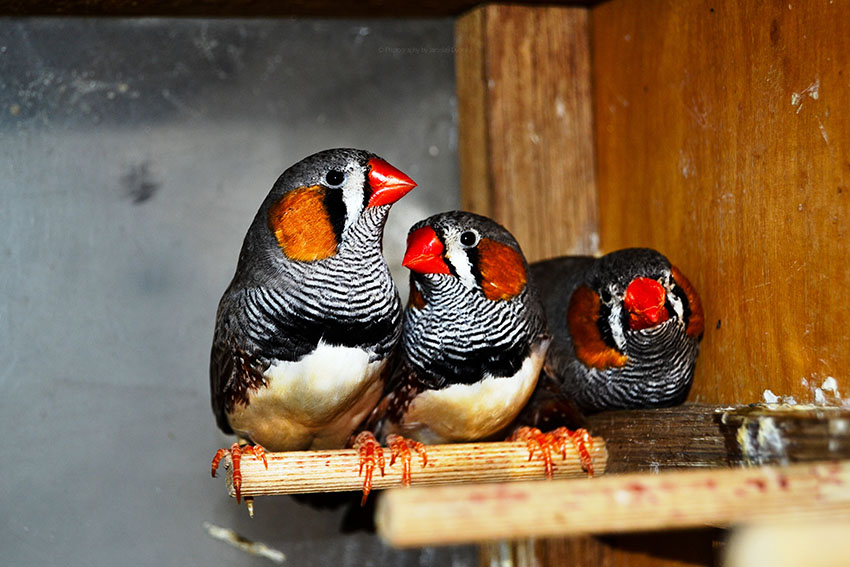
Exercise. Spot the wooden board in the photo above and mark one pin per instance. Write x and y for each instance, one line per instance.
(689, 436)
(692, 437)
(451, 515)
(695, 436)
(624, 441)
(723, 136)
(526, 151)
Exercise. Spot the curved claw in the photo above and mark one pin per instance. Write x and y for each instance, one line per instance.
(219, 455)
(583, 443)
(236, 459)
(401, 447)
(236, 474)
(259, 452)
(537, 440)
(370, 453)
(557, 440)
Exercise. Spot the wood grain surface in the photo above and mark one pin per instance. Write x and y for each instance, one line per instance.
(441, 515)
(299, 472)
(723, 136)
(526, 130)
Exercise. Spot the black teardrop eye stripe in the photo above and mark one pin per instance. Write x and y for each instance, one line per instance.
(336, 211)
(686, 306)
(472, 254)
(367, 190)
(605, 328)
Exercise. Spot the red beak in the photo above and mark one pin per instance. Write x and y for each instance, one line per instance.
(425, 252)
(645, 301)
(388, 183)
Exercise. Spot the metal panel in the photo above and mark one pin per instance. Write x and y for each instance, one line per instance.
(133, 156)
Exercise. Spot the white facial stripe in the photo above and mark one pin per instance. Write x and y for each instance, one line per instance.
(352, 194)
(615, 322)
(456, 254)
(676, 302)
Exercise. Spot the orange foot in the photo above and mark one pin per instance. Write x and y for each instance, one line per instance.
(371, 454)
(556, 440)
(401, 447)
(236, 458)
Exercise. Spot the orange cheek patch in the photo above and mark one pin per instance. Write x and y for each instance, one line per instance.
(299, 221)
(590, 348)
(502, 270)
(415, 299)
(696, 323)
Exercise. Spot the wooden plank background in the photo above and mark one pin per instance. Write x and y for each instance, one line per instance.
(526, 152)
(526, 128)
(723, 139)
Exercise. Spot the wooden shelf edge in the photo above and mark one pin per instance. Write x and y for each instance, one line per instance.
(613, 504)
(689, 436)
(700, 436)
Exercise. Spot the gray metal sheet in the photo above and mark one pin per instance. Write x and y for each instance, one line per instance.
(133, 156)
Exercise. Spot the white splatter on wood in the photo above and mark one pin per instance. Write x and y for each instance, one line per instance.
(812, 91)
(560, 108)
(830, 384)
(823, 132)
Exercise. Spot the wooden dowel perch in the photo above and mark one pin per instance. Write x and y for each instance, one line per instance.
(333, 471)
(615, 503)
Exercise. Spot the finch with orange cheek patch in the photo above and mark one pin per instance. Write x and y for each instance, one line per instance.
(474, 334)
(626, 329)
(305, 329)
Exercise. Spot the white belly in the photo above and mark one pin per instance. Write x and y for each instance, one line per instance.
(314, 403)
(468, 412)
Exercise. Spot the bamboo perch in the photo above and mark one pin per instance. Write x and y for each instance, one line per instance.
(334, 471)
(615, 503)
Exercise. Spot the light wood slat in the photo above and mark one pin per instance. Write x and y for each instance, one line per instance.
(615, 503)
(525, 125)
(333, 471)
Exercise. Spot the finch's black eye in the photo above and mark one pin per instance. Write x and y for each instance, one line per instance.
(334, 178)
(468, 238)
(605, 295)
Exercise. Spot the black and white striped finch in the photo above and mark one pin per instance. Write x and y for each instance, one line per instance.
(304, 331)
(474, 335)
(473, 341)
(626, 329)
